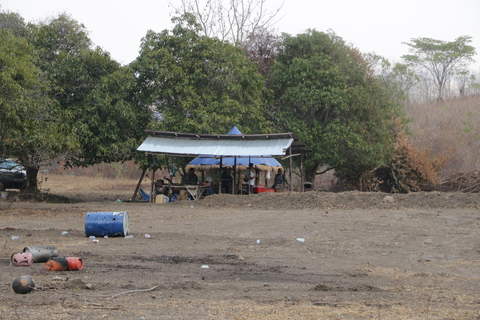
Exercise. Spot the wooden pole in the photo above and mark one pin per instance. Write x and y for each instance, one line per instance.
(138, 185)
(234, 175)
(249, 174)
(302, 177)
(291, 163)
(152, 198)
(220, 183)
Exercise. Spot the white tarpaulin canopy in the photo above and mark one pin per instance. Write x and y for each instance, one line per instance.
(208, 145)
(262, 163)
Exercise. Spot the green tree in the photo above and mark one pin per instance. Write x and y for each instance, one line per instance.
(324, 93)
(13, 22)
(198, 84)
(440, 58)
(397, 79)
(78, 105)
(29, 130)
(95, 94)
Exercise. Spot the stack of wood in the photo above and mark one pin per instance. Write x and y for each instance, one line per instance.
(460, 182)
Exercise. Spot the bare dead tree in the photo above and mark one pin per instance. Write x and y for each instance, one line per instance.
(262, 48)
(230, 20)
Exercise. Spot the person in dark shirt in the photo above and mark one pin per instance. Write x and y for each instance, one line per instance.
(280, 179)
(191, 177)
(227, 181)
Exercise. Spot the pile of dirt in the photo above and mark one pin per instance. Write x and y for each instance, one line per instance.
(343, 200)
(443, 197)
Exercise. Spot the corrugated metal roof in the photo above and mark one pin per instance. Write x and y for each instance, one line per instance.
(215, 145)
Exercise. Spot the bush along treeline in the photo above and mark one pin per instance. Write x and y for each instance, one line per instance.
(66, 101)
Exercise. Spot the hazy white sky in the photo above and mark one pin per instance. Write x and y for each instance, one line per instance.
(378, 26)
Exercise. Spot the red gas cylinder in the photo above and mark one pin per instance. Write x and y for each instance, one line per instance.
(258, 189)
(62, 264)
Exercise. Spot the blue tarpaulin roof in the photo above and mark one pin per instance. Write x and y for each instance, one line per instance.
(212, 161)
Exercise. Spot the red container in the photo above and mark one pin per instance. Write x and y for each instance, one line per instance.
(63, 264)
(56, 264)
(258, 189)
(75, 263)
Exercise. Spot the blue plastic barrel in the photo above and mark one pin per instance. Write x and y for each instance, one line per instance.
(112, 224)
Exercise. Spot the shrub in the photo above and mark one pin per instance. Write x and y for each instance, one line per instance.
(410, 168)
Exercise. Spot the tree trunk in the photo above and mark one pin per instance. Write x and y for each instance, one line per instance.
(32, 175)
(311, 173)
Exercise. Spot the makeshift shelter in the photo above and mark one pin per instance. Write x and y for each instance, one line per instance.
(222, 146)
(208, 161)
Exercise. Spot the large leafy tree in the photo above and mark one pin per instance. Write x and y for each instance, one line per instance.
(79, 104)
(29, 128)
(95, 94)
(440, 58)
(198, 84)
(325, 94)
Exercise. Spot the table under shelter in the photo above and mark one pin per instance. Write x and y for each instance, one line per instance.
(223, 146)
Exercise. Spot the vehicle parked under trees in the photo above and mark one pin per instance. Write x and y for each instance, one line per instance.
(12, 175)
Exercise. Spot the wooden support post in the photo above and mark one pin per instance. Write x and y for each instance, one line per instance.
(220, 180)
(154, 167)
(234, 175)
(291, 163)
(302, 177)
(138, 185)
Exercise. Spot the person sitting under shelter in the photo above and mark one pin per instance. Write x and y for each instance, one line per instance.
(191, 178)
(227, 181)
(250, 178)
(280, 179)
(160, 187)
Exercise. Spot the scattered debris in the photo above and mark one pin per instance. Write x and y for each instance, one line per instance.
(60, 278)
(466, 182)
(22, 259)
(132, 291)
(388, 199)
(41, 253)
(63, 264)
(23, 284)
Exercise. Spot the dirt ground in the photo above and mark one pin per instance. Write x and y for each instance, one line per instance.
(360, 258)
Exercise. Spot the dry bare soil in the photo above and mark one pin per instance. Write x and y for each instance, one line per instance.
(361, 258)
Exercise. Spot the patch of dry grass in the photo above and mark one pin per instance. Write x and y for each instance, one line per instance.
(451, 124)
(61, 183)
